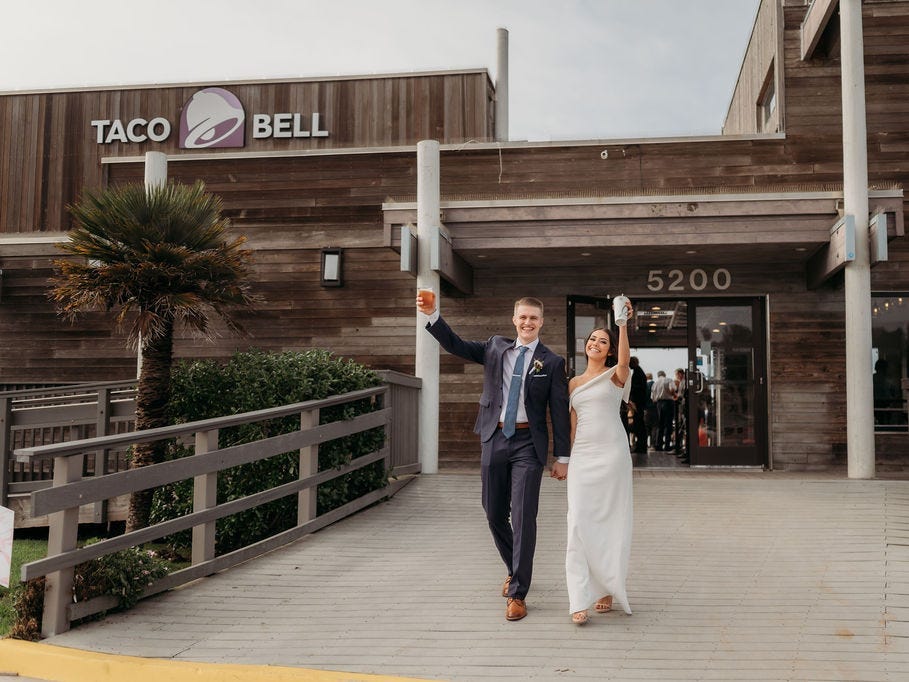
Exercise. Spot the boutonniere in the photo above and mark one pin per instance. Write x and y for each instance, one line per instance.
(537, 367)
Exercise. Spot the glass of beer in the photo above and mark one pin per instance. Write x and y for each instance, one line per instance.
(428, 295)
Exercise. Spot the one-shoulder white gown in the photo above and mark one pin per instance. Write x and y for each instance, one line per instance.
(600, 502)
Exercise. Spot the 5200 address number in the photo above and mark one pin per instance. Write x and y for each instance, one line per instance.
(697, 280)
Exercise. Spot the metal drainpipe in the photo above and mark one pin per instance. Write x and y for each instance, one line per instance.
(859, 392)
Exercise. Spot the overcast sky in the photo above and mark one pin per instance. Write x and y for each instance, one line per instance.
(579, 69)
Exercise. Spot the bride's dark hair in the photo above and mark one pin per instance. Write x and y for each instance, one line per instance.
(612, 355)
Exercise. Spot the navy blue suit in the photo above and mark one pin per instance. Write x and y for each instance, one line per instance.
(512, 468)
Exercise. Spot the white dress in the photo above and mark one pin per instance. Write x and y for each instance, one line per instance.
(600, 502)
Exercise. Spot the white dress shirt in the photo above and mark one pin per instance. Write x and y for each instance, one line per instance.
(508, 361)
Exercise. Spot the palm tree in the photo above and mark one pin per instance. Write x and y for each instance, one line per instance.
(158, 257)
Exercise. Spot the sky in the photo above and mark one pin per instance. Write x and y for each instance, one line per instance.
(578, 69)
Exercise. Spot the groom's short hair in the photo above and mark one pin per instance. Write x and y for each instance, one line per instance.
(529, 300)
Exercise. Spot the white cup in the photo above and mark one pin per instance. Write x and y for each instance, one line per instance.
(619, 311)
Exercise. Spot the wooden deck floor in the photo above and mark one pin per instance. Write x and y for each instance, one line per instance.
(752, 576)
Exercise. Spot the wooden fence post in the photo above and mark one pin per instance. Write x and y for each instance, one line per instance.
(102, 428)
(6, 441)
(205, 496)
(309, 465)
(62, 536)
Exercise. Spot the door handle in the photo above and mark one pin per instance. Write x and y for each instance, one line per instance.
(694, 371)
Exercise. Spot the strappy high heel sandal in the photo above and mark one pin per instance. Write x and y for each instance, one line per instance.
(604, 604)
(579, 617)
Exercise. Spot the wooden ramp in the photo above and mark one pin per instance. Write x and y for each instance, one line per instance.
(752, 576)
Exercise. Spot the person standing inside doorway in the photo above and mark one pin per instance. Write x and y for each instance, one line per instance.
(522, 380)
(639, 399)
(663, 395)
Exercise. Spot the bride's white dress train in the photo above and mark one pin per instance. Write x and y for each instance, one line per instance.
(600, 502)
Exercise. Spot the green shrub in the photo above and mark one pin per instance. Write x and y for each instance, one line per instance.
(124, 575)
(28, 604)
(257, 380)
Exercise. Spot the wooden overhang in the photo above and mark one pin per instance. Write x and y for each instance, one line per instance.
(762, 227)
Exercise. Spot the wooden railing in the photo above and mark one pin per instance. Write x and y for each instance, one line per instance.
(396, 411)
(70, 490)
(44, 416)
(63, 413)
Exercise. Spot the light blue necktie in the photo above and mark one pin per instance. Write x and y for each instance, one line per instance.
(514, 392)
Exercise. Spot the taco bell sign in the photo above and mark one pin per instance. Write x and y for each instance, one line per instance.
(213, 118)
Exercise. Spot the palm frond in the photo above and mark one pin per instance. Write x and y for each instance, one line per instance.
(163, 253)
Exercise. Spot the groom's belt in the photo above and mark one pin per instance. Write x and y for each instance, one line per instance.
(519, 425)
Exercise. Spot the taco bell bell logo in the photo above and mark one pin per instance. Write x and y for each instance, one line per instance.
(212, 118)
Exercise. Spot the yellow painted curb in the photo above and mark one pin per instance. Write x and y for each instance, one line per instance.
(60, 664)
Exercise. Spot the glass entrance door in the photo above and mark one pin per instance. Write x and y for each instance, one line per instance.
(720, 416)
(585, 313)
(726, 383)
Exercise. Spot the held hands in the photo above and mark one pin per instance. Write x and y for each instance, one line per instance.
(559, 471)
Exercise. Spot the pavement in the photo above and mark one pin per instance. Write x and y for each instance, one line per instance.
(734, 576)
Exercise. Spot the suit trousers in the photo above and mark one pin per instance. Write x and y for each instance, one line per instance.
(666, 412)
(512, 474)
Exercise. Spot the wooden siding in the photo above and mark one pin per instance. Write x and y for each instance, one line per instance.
(292, 207)
(761, 55)
(49, 148)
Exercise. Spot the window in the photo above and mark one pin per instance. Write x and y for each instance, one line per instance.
(766, 104)
(890, 360)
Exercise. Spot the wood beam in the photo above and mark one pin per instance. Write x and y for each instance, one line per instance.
(450, 266)
(833, 257)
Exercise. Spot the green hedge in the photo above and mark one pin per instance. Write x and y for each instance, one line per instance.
(257, 380)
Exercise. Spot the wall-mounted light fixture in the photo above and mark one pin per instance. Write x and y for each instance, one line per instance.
(331, 267)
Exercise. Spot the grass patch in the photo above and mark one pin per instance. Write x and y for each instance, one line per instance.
(24, 551)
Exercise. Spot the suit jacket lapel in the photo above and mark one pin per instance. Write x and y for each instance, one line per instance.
(538, 354)
(500, 360)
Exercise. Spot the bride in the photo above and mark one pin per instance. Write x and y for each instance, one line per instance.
(599, 478)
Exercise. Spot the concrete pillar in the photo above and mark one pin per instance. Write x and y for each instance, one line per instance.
(155, 169)
(155, 175)
(502, 85)
(859, 392)
(427, 349)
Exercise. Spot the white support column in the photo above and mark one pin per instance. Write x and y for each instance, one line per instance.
(501, 107)
(427, 349)
(859, 392)
(155, 176)
(155, 169)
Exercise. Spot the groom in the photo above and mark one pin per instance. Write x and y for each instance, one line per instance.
(521, 379)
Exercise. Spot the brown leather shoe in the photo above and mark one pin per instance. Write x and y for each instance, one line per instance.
(516, 609)
(505, 586)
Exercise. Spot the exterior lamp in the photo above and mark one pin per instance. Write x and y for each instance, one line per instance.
(331, 267)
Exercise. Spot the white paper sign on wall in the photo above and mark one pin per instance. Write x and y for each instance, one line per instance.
(7, 516)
